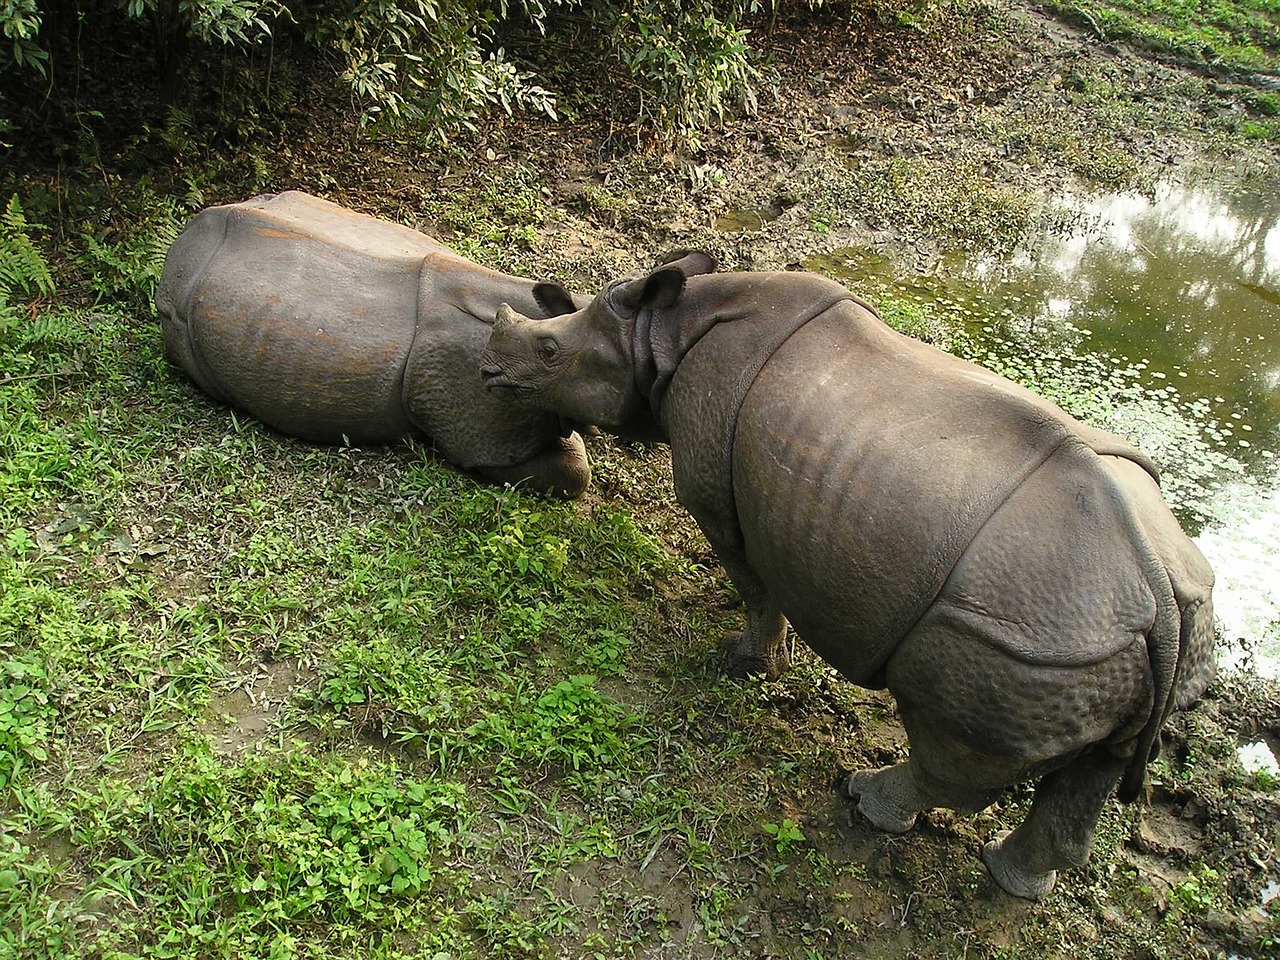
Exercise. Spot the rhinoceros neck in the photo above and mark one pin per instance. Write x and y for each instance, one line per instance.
(450, 283)
(768, 306)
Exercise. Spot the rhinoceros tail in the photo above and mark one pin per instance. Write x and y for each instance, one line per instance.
(1166, 647)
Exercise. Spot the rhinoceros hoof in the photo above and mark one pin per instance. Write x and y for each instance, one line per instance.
(867, 787)
(1012, 879)
(744, 666)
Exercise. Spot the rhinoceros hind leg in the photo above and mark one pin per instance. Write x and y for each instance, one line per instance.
(562, 470)
(1010, 877)
(1058, 832)
(892, 796)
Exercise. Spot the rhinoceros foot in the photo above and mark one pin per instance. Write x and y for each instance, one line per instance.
(562, 470)
(1004, 869)
(746, 657)
(884, 797)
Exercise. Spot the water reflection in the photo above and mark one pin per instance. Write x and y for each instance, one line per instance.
(1257, 757)
(743, 220)
(1187, 279)
(1244, 548)
(1168, 305)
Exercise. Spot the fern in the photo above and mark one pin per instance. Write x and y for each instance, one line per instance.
(22, 265)
(129, 270)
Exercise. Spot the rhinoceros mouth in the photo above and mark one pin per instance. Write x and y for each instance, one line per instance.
(499, 381)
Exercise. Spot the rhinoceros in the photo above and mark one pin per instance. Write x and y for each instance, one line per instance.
(1011, 575)
(332, 326)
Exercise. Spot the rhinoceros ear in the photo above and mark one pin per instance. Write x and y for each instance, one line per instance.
(657, 291)
(689, 262)
(553, 299)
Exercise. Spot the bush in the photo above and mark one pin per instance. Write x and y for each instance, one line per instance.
(432, 66)
(418, 63)
(694, 65)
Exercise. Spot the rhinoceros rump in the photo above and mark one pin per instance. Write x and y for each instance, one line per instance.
(329, 325)
(1011, 575)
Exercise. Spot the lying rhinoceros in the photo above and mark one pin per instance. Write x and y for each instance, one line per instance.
(329, 325)
(1011, 575)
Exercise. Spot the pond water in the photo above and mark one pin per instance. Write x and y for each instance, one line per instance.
(739, 221)
(1157, 316)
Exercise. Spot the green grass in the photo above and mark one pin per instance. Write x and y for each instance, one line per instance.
(1243, 35)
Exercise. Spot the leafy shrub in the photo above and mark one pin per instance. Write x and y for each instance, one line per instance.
(425, 64)
(22, 266)
(20, 22)
(695, 64)
(418, 63)
(434, 66)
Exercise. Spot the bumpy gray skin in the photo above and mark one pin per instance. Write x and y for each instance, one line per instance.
(329, 325)
(1011, 575)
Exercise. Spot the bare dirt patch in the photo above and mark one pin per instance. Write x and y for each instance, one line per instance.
(246, 710)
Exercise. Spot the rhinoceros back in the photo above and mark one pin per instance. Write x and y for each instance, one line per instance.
(865, 465)
(299, 312)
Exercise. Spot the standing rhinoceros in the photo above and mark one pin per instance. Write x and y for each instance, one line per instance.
(1011, 575)
(327, 324)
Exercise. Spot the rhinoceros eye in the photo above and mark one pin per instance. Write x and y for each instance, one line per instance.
(548, 349)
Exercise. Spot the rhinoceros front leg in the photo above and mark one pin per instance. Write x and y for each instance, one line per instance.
(1058, 832)
(760, 649)
(561, 470)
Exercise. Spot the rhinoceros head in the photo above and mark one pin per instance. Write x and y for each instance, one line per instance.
(589, 365)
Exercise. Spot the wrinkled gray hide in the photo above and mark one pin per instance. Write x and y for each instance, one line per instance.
(327, 324)
(1011, 575)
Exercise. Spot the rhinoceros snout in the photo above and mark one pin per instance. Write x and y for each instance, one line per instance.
(495, 377)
